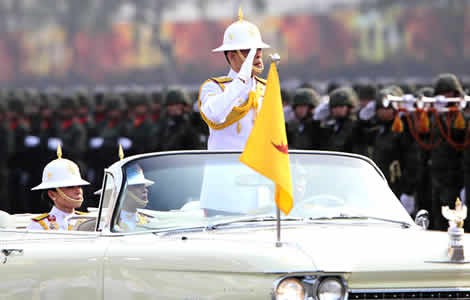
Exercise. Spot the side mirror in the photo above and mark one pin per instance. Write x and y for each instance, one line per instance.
(422, 219)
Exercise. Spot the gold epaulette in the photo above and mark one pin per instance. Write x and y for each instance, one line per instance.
(81, 212)
(262, 80)
(41, 217)
(222, 79)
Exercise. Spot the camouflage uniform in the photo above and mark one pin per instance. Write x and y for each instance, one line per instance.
(302, 130)
(367, 93)
(140, 129)
(340, 133)
(176, 131)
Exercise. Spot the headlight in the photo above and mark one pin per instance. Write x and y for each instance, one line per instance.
(331, 289)
(290, 289)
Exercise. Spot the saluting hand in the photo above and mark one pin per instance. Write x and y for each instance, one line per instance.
(245, 71)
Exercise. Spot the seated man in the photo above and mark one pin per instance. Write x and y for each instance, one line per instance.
(62, 185)
(136, 197)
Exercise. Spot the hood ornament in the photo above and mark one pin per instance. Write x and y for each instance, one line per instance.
(456, 219)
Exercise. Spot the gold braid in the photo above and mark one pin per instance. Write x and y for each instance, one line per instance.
(238, 112)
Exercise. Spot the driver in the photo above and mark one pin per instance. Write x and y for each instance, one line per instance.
(136, 198)
(62, 186)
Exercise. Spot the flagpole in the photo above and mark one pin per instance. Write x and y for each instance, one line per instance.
(275, 58)
(278, 227)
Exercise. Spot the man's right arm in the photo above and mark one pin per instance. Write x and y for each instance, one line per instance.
(217, 104)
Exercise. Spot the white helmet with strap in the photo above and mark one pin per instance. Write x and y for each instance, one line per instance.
(135, 176)
(60, 173)
(241, 35)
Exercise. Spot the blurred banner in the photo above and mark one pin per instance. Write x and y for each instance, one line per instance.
(161, 42)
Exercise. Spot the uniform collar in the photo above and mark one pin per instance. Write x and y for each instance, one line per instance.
(58, 213)
(232, 74)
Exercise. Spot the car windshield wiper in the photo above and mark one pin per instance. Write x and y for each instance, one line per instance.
(252, 219)
(173, 230)
(359, 217)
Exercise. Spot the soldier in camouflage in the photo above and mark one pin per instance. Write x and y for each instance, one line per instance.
(302, 130)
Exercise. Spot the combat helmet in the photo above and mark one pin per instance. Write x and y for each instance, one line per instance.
(343, 96)
(448, 83)
(306, 96)
(176, 96)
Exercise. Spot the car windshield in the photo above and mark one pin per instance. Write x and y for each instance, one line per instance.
(183, 191)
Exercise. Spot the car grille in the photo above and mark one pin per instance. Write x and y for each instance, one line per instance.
(409, 294)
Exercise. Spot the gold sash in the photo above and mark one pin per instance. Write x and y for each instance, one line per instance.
(238, 112)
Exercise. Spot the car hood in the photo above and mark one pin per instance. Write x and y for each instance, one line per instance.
(373, 255)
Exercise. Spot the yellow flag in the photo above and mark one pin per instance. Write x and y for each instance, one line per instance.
(266, 148)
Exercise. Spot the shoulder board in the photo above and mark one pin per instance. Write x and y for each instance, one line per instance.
(81, 212)
(263, 81)
(222, 79)
(41, 217)
(144, 215)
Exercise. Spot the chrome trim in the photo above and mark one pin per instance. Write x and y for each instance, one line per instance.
(410, 290)
(293, 272)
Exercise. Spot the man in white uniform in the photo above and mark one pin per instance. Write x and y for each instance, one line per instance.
(62, 185)
(229, 105)
(136, 198)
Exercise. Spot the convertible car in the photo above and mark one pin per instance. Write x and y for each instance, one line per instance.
(202, 226)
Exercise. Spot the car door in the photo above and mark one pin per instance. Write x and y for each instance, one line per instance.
(17, 282)
(52, 265)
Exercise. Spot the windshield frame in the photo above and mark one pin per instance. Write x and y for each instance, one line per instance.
(118, 170)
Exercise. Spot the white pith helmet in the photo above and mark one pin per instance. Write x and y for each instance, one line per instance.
(60, 173)
(241, 35)
(135, 176)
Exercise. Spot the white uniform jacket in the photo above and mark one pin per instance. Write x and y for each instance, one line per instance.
(216, 103)
(55, 220)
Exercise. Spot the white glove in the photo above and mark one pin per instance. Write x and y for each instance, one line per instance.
(96, 142)
(53, 143)
(125, 143)
(440, 102)
(462, 195)
(408, 202)
(247, 66)
(368, 112)
(409, 101)
(31, 141)
(321, 112)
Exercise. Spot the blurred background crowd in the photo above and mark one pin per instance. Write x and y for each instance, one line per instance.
(423, 152)
(91, 75)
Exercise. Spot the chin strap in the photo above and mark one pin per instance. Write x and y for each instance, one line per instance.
(137, 199)
(256, 70)
(63, 195)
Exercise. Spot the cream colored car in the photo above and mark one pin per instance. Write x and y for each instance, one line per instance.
(202, 226)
